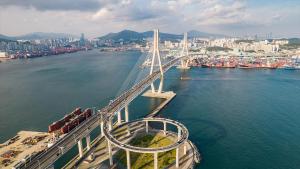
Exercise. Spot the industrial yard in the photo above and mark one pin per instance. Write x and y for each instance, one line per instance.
(22, 147)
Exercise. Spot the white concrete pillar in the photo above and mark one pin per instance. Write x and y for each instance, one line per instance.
(147, 126)
(128, 131)
(109, 153)
(88, 142)
(161, 83)
(80, 149)
(184, 148)
(110, 125)
(126, 113)
(119, 117)
(128, 159)
(177, 157)
(155, 161)
(101, 127)
(165, 127)
(179, 133)
(152, 88)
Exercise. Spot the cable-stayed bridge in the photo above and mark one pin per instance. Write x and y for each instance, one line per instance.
(104, 117)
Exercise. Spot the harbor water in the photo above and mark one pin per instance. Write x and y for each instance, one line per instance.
(237, 118)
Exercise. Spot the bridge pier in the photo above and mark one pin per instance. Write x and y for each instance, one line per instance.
(110, 153)
(155, 160)
(184, 64)
(165, 128)
(128, 159)
(80, 148)
(88, 142)
(110, 125)
(126, 114)
(184, 148)
(161, 84)
(101, 128)
(119, 117)
(177, 149)
(177, 157)
(147, 126)
(179, 133)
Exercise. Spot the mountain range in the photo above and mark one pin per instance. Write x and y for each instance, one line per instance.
(127, 35)
(36, 35)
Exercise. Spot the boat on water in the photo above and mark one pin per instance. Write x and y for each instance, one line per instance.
(185, 78)
(292, 67)
(206, 65)
(244, 66)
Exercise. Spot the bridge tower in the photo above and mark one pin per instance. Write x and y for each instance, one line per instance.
(156, 56)
(185, 52)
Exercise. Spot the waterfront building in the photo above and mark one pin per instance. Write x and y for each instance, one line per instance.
(3, 55)
(82, 40)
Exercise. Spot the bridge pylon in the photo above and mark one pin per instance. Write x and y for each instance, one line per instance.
(156, 56)
(184, 63)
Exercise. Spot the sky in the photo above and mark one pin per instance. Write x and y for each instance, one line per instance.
(95, 18)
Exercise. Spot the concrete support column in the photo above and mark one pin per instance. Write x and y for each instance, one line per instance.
(177, 157)
(110, 125)
(165, 127)
(109, 153)
(119, 117)
(80, 149)
(152, 88)
(155, 160)
(126, 113)
(179, 133)
(177, 149)
(147, 126)
(101, 127)
(88, 142)
(161, 84)
(128, 159)
(184, 148)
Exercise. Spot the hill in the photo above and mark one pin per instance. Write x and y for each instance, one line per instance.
(37, 36)
(129, 35)
(5, 38)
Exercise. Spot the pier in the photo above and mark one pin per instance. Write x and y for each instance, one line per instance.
(167, 96)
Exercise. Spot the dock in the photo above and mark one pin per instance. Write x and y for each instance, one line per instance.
(22, 147)
(167, 96)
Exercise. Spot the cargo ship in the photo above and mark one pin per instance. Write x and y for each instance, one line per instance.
(291, 67)
(244, 66)
(206, 65)
(225, 65)
(70, 121)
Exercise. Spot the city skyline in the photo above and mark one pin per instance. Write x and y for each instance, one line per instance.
(97, 17)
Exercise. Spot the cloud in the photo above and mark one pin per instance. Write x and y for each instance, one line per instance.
(58, 5)
(177, 16)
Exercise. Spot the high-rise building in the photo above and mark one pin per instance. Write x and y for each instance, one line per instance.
(82, 41)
